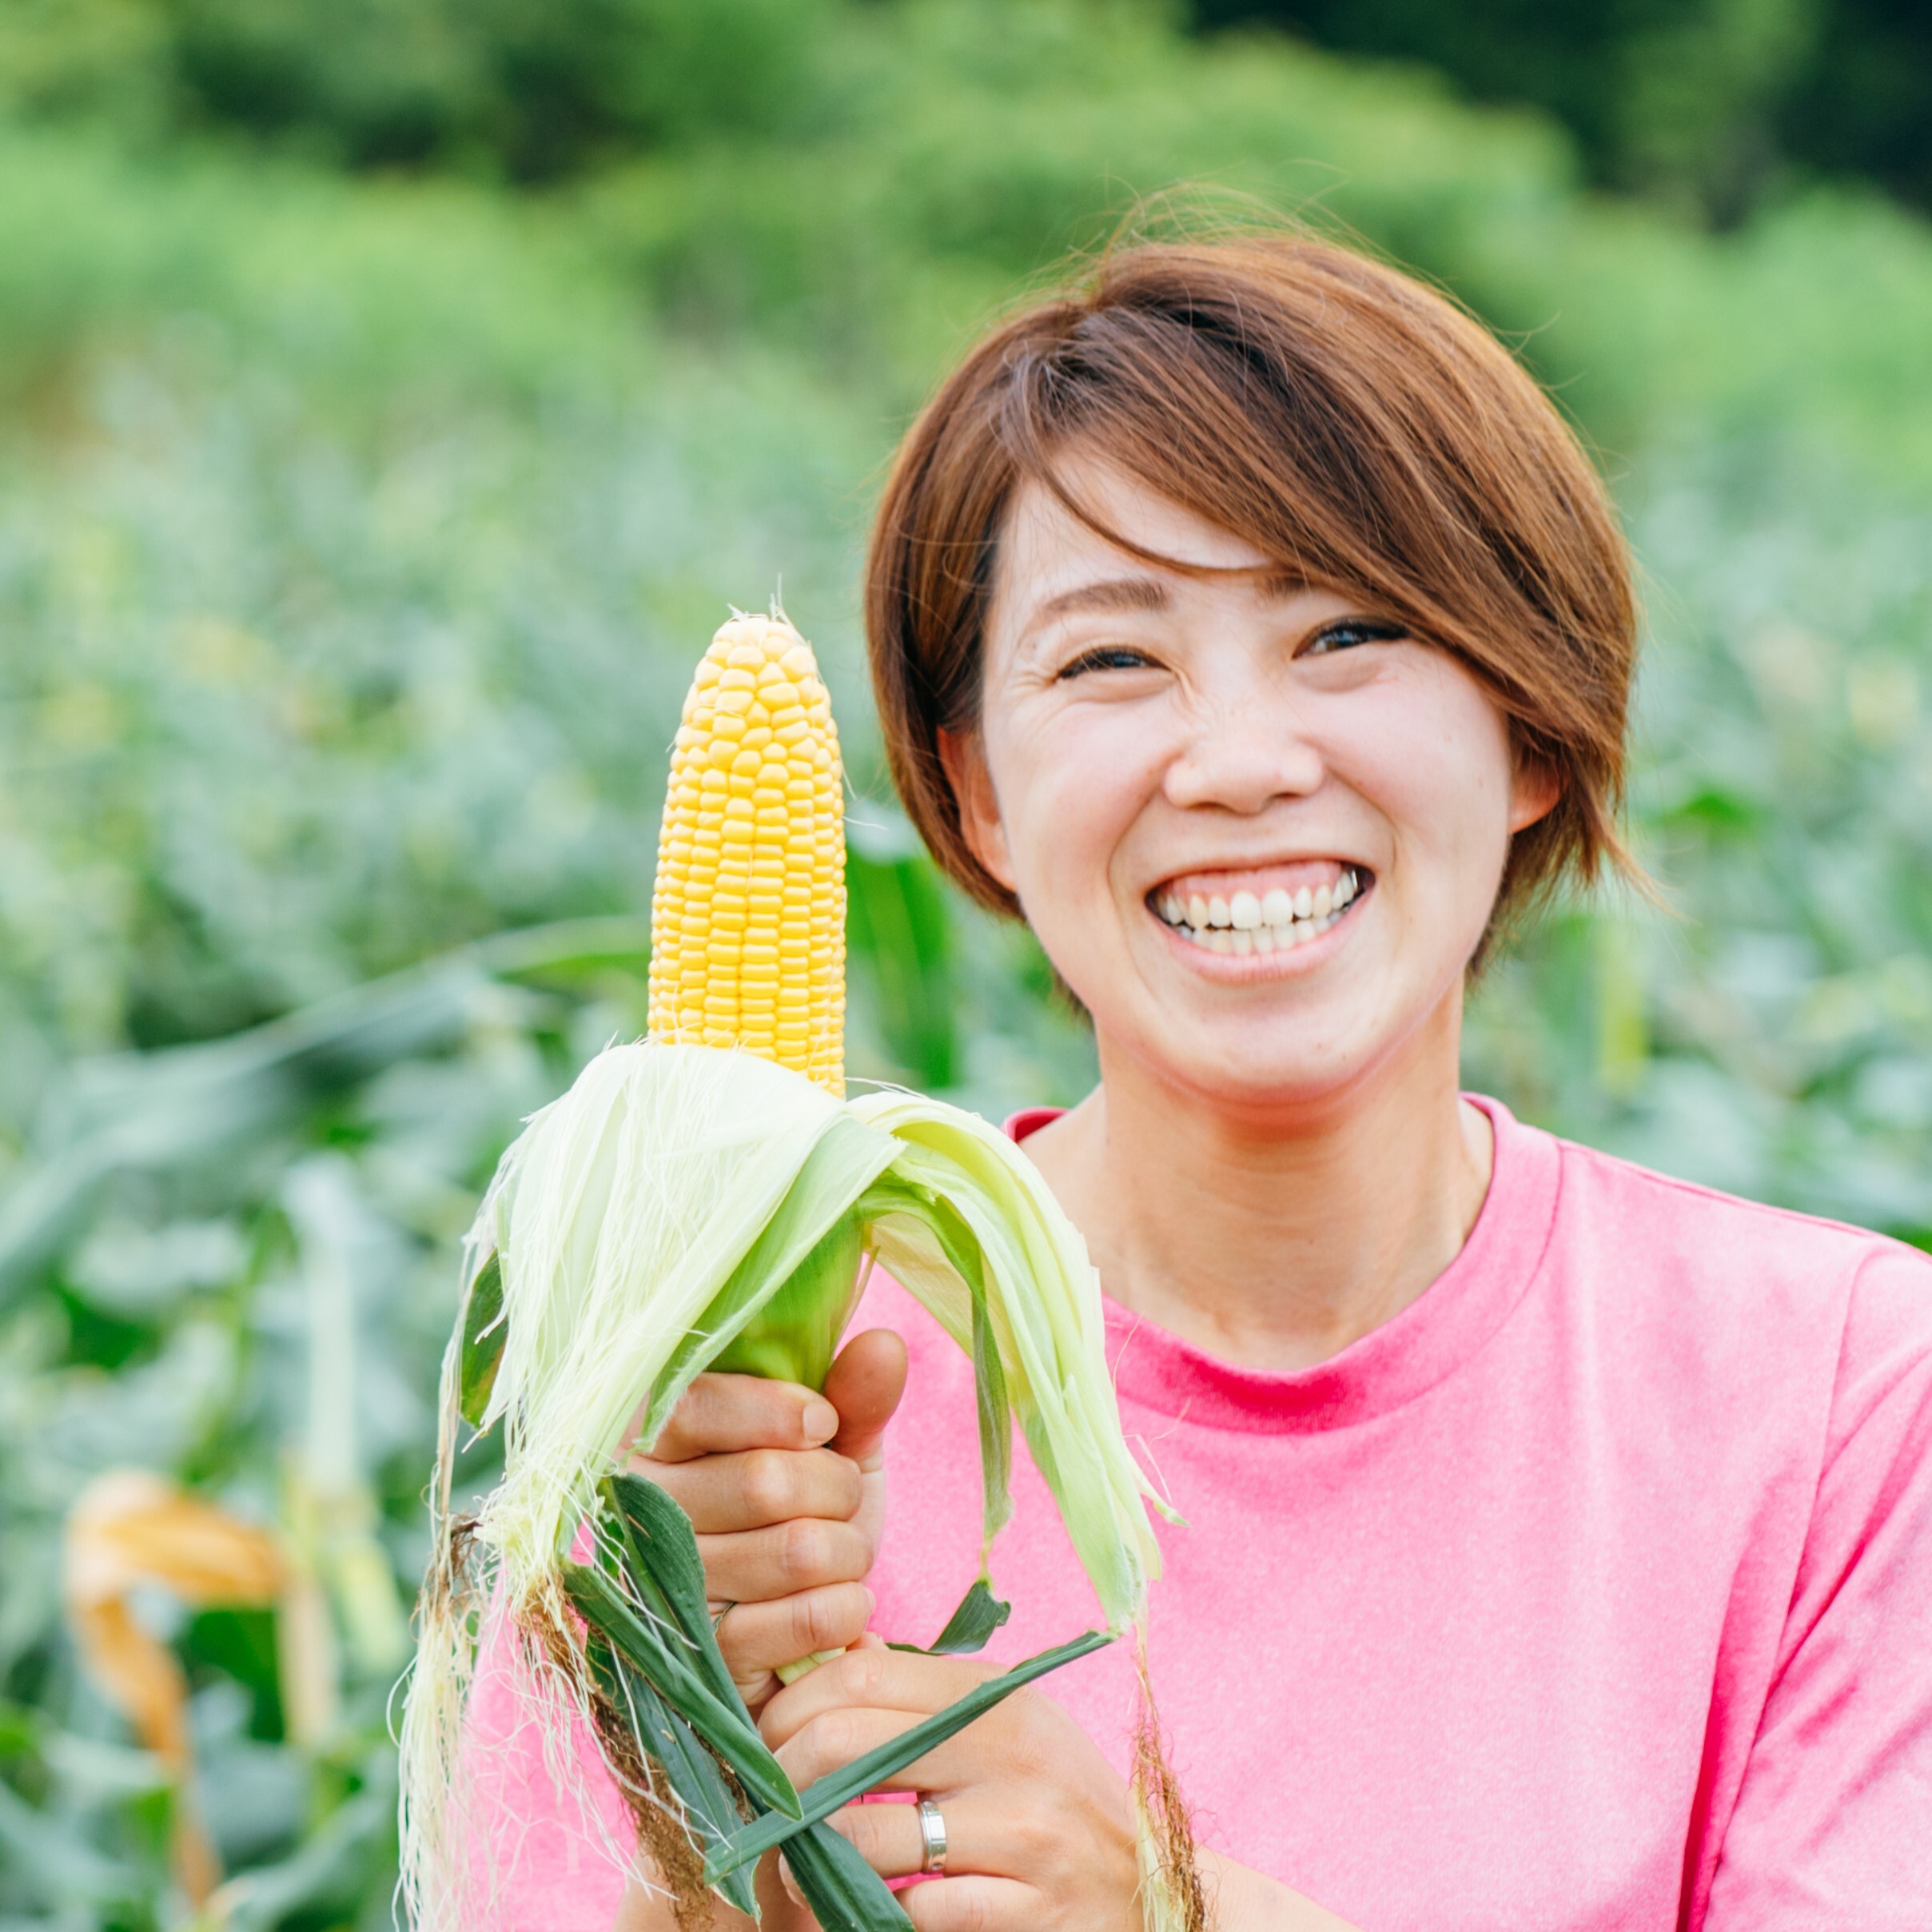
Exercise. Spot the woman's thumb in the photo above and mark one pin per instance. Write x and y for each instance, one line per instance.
(864, 1386)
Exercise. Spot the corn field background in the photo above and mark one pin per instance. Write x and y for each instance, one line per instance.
(374, 463)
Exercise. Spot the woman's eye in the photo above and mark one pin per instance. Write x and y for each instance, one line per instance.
(1351, 631)
(1106, 657)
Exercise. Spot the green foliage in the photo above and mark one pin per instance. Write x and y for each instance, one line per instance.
(529, 91)
(356, 536)
(1705, 105)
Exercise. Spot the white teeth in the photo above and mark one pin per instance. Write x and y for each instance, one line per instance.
(1275, 922)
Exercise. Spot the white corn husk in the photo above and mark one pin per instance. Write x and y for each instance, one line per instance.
(617, 1217)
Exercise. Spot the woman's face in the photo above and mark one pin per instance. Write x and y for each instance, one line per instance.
(1258, 827)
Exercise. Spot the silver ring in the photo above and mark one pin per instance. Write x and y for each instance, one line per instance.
(932, 1829)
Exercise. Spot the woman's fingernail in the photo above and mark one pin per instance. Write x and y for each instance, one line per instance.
(789, 1883)
(821, 1420)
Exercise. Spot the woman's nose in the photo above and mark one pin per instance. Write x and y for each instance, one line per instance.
(1246, 753)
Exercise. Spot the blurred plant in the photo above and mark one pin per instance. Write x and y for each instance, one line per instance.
(1705, 103)
(533, 91)
(127, 1529)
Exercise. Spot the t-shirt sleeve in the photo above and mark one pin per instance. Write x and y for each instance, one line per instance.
(1833, 1824)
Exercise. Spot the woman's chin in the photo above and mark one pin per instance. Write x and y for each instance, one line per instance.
(1262, 1074)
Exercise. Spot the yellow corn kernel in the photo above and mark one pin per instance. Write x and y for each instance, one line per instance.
(747, 916)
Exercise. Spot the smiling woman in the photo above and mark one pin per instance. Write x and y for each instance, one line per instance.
(1556, 1535)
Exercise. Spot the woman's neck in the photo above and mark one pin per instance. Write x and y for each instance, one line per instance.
(1274, 1244)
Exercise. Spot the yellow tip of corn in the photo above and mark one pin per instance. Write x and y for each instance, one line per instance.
(747, 918)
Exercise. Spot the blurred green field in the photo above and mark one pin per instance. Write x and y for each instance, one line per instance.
(358, 527)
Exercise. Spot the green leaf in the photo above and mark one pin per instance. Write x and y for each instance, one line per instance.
(846, 1159)
(839, 1788)
(846, 1894)
(661, 1549)
(712, 1812)
(967, 1629)
(901, 935)
(729, 1731)
(484, 1333)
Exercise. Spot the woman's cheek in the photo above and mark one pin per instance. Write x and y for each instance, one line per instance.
(1070, 809)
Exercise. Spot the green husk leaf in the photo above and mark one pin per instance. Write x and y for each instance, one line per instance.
(661, 1552)
(794, 1336)
(728, 1731)
(969, 1627)
(839, 1788)
(846, 1894)
(780, 1311)
(960, 1246)
(1045, 1314)
(483, 1333)
(711, 1813)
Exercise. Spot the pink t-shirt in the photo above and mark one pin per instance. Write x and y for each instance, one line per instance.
(1593, 1591)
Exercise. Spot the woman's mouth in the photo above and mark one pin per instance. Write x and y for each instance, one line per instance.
(1272, 909)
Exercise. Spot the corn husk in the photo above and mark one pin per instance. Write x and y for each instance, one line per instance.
(684, 1206)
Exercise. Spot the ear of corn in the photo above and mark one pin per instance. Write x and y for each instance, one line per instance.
(747, 918)
(703, 1200)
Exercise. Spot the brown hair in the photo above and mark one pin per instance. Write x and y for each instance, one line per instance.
(1336, 414)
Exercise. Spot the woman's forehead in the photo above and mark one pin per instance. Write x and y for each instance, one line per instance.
(1053, 564)
(1047, 536)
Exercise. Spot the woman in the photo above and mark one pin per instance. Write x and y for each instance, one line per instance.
(1558, 1536)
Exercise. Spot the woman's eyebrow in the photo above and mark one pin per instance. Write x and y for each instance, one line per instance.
(1112, 594)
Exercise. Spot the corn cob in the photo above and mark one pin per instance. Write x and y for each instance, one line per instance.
(747, 920)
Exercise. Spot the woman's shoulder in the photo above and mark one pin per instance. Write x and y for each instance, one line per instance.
(1740, 1269)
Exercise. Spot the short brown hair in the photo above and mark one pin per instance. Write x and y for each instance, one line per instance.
(1334, 413)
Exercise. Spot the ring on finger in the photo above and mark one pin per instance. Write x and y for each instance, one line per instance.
(932, 1834)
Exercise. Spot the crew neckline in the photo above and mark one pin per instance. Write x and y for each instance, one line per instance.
(1390, 1366)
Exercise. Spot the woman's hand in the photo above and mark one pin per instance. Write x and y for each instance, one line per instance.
(1040, 1828)
(785, 1488)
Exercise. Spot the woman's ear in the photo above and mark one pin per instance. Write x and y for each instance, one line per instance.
(1533, 789)
(965, 765)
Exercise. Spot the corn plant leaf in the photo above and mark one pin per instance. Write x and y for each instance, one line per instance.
(660, 1549)
(726, 1730)
(844, 1892)
(483, 1339)
(712, 1814)
(839, 1788)
(847, 1158)
(967, 1629)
